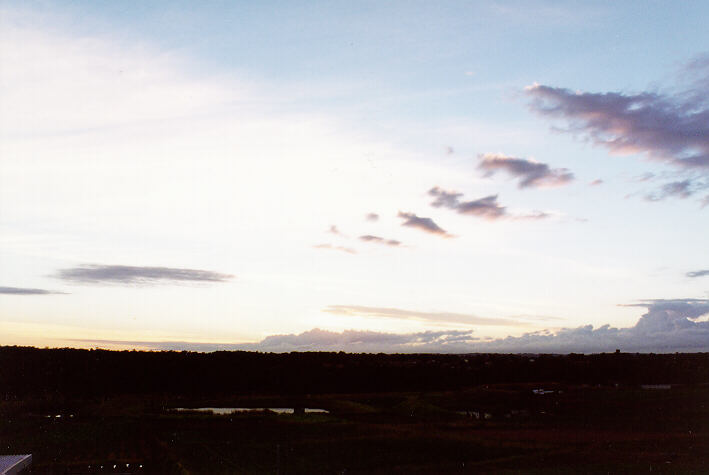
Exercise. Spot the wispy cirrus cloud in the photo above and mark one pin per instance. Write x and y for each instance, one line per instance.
(531, 174)
(380, 240)
(135, 275)
(487, 207)
(397, 313)
(331, 247)
(333, 230)
(698, 273)
(27, 291)
(424, 224)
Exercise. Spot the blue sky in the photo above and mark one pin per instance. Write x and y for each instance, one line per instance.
(181, 174)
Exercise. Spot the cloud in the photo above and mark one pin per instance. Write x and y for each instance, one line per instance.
(677, 189)
(596, 182)
(397, 313)
(380, 240)
(666, 326)
(532, 174)
(348, 250)
(644, 177)
(365, 341)
(698, 273)
(25, 291)
(487, 208)
(424, 224)
(372, 217)
(673, 128)
(132, 275)
(333, 230)
(362, 341)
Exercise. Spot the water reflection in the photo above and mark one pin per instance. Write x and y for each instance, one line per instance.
(231, 410)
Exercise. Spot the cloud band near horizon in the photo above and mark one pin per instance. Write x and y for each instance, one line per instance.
(134, 275)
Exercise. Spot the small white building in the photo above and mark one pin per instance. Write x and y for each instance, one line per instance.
(15, 464)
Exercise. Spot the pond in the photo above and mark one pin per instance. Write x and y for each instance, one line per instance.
(231, 410)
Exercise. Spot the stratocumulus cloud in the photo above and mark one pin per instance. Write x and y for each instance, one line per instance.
(380, 240)
(666, 326)
(26, 291)
(670, 128)
(487, 207)
(361, 341)
(424, 224)
(397, 313)
(531, 174)
(134, 275)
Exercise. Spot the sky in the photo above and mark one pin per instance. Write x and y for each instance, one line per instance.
(401, 176)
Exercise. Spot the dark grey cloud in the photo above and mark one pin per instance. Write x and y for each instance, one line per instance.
(348, 250)
(26, 291)
(424, 224)
(380, 240)
(532, 174)
(134, 275)
(402, 314)
(676, 189)
(487, 208)
(673, 128)
(698, 273)
(372, 217)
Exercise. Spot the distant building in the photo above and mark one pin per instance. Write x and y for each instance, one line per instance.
(656, 386)
(15, 464)
(542, 391)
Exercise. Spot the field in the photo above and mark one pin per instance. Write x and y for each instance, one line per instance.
(483, 427)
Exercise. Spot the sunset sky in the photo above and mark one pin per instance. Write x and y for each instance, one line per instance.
(352, 175)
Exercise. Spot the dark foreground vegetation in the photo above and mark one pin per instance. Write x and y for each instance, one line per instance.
(80, 411)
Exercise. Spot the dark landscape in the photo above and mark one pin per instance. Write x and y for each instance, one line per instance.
(97, 411)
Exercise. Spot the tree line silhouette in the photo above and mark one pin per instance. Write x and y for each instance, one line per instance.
(27, 371)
